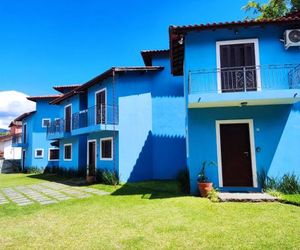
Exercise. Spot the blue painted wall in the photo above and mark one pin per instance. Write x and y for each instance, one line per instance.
(276, 131)
(36, 135)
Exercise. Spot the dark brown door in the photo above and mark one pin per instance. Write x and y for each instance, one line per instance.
(100, 107)
(236, 155)
(23, 159)
(68, 114)
(238, 69)
(92, 157)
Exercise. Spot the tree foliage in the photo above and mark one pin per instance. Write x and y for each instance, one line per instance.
(272, 9)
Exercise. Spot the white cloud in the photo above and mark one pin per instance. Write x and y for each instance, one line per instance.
(13, 104)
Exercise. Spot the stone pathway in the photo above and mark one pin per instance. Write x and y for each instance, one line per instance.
(45, 193)
(16, 197)
(246, 197)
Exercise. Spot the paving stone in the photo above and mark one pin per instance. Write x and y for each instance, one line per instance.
(249, 197)
(50, 192)
(92, 191)
(16, 197)
(36, 196)
(73, 191)
(3, 200)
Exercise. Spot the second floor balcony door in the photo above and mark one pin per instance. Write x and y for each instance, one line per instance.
(238, 67)
(101, 107)
(68, 114)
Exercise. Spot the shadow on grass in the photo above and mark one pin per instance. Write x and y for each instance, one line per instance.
(150, 189)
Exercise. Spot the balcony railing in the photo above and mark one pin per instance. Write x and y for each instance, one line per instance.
(105, 114)
(56, 127)
(17, 141)
(243, 79)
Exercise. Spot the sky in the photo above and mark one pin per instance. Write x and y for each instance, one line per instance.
(57, 42)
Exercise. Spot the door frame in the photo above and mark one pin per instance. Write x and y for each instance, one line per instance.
(97, 92)
(88, 155)
(65, 120)
(252, 147)
(238, 41)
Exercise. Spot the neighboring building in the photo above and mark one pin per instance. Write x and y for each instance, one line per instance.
(128, 119)
(37, 151)
(7, 151)
(242, 88)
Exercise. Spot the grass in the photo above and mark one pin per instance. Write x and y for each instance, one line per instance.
(146, 215)
(291, 198)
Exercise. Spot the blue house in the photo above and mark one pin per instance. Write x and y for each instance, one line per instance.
(242, 93)
(37, 151)
(127, 119)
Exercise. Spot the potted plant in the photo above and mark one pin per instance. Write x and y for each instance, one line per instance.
(204, 185)
(90, 178)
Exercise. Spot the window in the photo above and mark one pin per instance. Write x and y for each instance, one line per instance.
(46, 123)
(53, 154)
(57, 122)
(106, 148)
(68, 152)
(39, 153)
(25, 133)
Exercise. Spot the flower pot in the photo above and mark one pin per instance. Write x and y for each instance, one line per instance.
(204, 188)
(90, 179)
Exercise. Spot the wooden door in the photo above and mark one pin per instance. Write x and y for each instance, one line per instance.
(68, 117)
(101, 107)
(91, 158)
(238, 69)
(236, 155)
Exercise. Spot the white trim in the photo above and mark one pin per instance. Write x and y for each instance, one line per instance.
(45, 119)
(38, 156)
(88, 155)
(49, 149)
(112, 148)
(68, 144)
(95, 101)
(252, 147)
(69, 105)
(239, 41)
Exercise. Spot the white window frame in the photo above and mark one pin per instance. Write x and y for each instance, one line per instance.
(112, 148)
(65, 120)
(95, 101)
(38, 156)
(255, 41)
(252, 147)
(49, 154)
(65, 145)
(88, 155)
(45, 119)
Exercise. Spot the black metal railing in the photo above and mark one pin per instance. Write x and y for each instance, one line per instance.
(56, 127)
(103, 114)
(242, 79)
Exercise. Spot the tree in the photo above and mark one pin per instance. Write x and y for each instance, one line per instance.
(272, 9)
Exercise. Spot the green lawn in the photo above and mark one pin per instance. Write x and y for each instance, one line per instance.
(291, 198)
(149, 215)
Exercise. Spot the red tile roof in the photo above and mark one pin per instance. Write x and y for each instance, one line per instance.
(63, 88)
(109, 73)
(148, 55)
(23, 116)
(45, 97)
(177, 33)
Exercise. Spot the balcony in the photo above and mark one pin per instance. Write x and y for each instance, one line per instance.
(18, 142)
(251, 85)
(94, 119)
(56, 130)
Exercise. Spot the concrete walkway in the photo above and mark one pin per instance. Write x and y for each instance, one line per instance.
(45, 193)
(246, 197)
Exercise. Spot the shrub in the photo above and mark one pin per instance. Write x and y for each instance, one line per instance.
(183, 179)
(34, 170)
(213, 195)
(289, 184)
(108, 177)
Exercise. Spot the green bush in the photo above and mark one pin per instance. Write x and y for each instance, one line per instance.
(213, 195)
(183, 179)
(108, 177)
(289, 184)
(34, 170)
